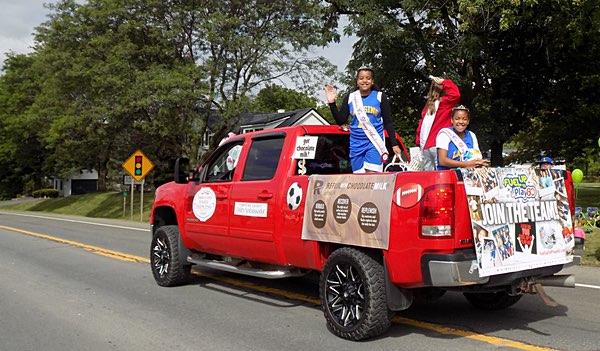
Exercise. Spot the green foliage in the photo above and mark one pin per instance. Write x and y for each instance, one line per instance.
(108, 77)
(22, 151)
(274, 97)
(591, 254)
(516, 62)
(45, 193)
(588, 194)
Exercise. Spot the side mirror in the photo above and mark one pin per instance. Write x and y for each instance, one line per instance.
(182, 170)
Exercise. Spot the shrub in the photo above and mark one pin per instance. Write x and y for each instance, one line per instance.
(43, 193)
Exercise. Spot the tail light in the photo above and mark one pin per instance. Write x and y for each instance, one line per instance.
(436, 217)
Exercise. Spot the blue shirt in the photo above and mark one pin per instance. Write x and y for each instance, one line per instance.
(358, 139)
(453, 151)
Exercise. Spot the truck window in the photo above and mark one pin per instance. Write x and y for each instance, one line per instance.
(332, 155)
(263, 159)
(221, 168)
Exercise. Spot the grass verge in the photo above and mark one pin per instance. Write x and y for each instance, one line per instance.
(97, 205)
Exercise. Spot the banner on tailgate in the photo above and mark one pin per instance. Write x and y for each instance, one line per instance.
(349, 209)
(520, 218)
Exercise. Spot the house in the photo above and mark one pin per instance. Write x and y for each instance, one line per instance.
(76, 183)
(250, 122)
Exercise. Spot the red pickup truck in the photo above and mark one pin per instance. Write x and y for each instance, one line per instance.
(283, 202)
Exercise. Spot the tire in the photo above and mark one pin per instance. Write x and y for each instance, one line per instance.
(352, 290)
(493, 301)
(164, 258)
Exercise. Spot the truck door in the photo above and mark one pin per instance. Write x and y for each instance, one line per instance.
(208, 209)
(254, 200)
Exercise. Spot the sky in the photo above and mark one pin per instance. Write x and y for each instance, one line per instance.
(18, 19)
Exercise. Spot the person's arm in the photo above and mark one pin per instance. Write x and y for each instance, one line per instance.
(446, 161)
(452, 96)
(388, 123)
(340, 116)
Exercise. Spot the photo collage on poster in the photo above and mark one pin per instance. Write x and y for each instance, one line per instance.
(520, 218)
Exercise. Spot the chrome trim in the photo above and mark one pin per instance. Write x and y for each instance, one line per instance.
(272, 274)
(449, 273)
(559, 280)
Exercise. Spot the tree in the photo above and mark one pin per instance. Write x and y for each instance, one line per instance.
(116, 75)
(565, 126)
(22, 131)
(244, 44)
(274, 97)
(506, 57)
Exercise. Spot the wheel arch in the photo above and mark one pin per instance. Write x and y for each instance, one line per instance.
(163, 215)
(326, 249)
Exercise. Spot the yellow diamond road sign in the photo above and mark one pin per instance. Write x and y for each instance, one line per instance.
(138, 165)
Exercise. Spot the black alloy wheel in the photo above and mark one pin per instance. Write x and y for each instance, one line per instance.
(164, 258)
(353, 296)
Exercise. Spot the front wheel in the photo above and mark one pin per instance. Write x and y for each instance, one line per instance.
(492, 301)
(164, 258)
(352, 289)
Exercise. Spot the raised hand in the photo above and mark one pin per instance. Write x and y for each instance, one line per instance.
(330, 93)
(438, 80)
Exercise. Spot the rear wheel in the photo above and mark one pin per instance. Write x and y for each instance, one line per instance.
(492, 301)
(164, 258)
(352, 290)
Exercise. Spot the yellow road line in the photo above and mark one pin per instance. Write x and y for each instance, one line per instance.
(470, 335)
(294, 296)
(101, 251)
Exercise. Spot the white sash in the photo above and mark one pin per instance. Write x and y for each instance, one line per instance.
(427, 123)
(460, 144)
(370, 131)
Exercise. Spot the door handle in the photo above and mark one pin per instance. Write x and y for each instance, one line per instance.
(265, 195)
(222, 196)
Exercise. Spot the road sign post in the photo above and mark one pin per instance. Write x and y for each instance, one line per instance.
(138, 166)
(131, 209)
(124, 202)
(142, 201)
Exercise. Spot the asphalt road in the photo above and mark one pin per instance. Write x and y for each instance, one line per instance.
(72, 283)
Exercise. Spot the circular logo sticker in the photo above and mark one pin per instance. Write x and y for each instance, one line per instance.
(342, 207)
(204, 204)
(319, 214)
(368, 217)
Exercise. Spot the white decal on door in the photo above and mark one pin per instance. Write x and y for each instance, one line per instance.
(204, 204)
(250, 209)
